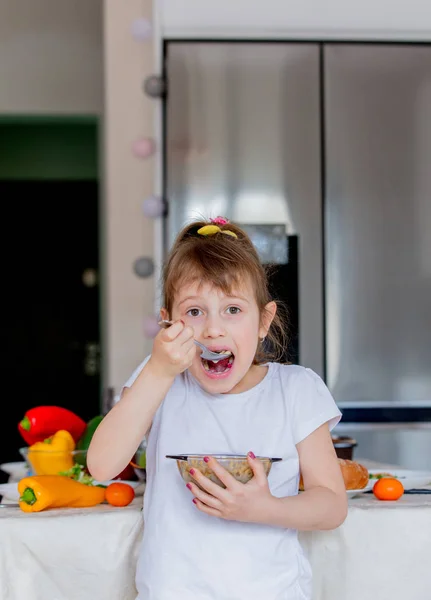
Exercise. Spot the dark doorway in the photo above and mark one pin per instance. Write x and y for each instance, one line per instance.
(51, 318)
(284, 287)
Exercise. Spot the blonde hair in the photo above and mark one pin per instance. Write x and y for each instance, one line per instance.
(225, 262)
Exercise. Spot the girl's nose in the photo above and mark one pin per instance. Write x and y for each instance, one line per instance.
(213, 328)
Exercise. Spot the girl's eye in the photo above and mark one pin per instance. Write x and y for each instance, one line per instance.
(194, 312)
(233, 310)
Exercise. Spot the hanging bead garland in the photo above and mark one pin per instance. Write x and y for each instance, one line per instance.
(144, 147)
(153, 207)
(143, 266)
(141, 29)
(151, 327)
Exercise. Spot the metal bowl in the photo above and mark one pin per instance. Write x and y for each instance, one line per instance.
(236, 464)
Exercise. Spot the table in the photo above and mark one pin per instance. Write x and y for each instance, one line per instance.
(382, 550)
(74, 554)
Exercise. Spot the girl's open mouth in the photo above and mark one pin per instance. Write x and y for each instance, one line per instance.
(218, 369)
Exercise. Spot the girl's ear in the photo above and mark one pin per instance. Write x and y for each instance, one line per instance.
(267, 317)
(164, 314)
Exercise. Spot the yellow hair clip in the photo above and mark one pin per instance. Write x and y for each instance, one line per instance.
(212, 229)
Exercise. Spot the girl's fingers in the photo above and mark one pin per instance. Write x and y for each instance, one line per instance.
(209, 486)
(204, 497)
(191, 352)
(185, 335)
(177, 335)
(225, 477)
(172, 332)
(207, 509)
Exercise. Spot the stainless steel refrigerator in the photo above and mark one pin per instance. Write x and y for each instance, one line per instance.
(322, 151)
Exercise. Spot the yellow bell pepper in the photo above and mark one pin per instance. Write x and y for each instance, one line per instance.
(53, 455)
(56, 491)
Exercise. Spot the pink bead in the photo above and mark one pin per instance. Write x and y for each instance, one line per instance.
(153, 207)
(151, 327)
(144, 147)
(141, 29)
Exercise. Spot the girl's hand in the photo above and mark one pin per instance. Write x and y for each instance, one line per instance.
(173, 350)
(248, 502)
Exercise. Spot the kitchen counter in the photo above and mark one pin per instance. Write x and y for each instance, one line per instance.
(382, 550)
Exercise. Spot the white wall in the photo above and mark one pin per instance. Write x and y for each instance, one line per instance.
(127, 181)
(368, 19)
(51, 58)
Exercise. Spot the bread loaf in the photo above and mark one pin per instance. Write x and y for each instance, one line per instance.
(355, 475)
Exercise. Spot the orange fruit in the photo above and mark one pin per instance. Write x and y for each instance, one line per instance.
(388, 488)
(119, 494)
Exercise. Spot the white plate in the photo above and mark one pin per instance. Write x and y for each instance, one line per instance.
(9, 491)
(409, 478)
(17, 469)
(367, 488)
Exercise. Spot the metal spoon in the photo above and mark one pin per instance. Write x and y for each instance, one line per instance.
(206, 354)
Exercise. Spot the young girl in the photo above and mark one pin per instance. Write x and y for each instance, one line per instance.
(239, 542)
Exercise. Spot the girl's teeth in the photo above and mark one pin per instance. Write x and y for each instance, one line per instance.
(214, 368)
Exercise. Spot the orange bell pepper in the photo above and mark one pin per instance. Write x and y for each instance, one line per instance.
(53, 455)
(42, 492)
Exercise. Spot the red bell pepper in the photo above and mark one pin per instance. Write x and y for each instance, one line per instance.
(42, 422)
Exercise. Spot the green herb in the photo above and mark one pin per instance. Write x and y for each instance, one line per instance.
(382, 476)
(78, 473)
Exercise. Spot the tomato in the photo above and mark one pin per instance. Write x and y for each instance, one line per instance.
(388, 488)
(119, 494)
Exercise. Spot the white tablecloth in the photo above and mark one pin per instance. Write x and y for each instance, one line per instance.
(72, 554)
(383, 550)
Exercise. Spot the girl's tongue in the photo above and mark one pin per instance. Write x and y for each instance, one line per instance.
(220, 366)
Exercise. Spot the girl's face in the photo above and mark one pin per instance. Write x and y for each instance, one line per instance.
(223, 322)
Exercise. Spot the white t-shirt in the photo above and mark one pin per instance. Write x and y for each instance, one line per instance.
(188, 555)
